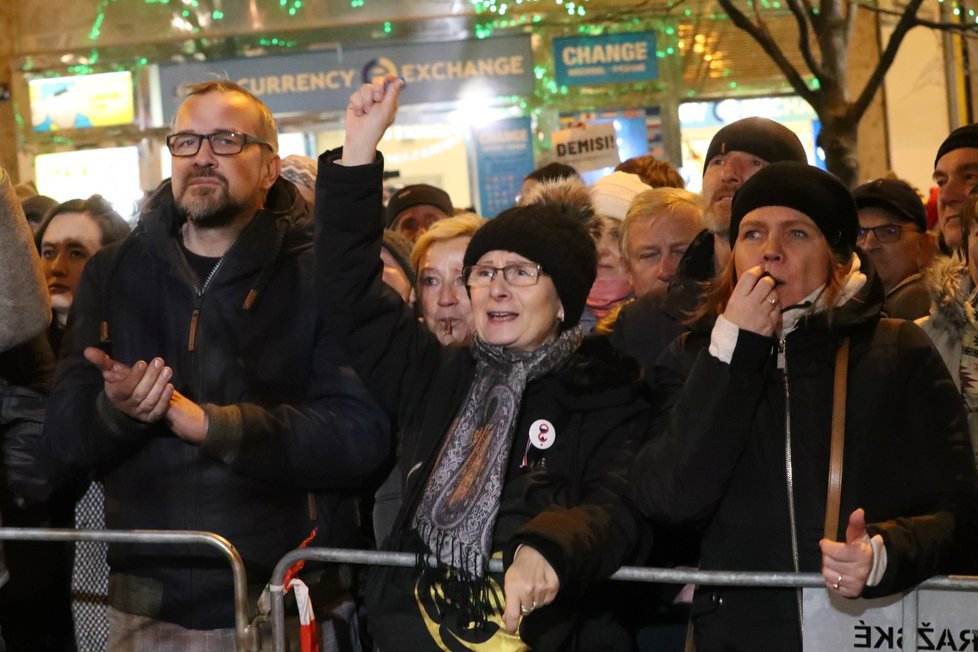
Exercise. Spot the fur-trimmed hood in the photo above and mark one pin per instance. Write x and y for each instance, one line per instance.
(950, 288)
(570, 195)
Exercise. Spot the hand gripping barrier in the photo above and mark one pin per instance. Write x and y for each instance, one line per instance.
(248, 638)
(625, 573)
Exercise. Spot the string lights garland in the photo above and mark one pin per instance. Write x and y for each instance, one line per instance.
(682, 29)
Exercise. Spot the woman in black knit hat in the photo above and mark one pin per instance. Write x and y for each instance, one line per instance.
(746, 452)
(516, 447)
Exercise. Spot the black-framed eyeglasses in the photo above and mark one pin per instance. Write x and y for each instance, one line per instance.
(517, 274)
(882, 233)
(223, 143)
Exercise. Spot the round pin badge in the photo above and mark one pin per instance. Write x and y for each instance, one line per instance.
(542, 434)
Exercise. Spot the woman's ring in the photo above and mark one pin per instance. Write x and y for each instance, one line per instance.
(772, 301)
(525, 611)
(837, 583)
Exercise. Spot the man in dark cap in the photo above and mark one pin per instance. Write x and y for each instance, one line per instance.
(893, 233)
(645, 327)
(413, 209)
(955, 173)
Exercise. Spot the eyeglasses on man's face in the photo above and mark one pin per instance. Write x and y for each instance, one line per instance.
(517, 274)
(882, 233)
(222, 143)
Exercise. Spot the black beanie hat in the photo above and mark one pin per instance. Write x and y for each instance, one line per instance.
(807, 189)
(966, 136)
(544, 234)
(761, 137)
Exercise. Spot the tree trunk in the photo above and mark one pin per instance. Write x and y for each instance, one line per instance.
(839, 138)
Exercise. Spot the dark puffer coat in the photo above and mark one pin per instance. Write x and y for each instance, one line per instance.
(570, 502)
(720, 461)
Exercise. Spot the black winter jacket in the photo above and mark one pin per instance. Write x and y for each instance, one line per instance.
(721, 460)
(248, 346)
(570, 502)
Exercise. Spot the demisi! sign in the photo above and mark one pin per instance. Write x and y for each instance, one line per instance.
(587, 147)
(607, 59)
(323, 81)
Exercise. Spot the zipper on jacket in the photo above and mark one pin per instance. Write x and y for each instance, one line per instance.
(195, 315)
(192, 339)
(789, 475)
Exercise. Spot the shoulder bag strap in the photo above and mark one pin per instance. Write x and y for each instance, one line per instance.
(834, 495)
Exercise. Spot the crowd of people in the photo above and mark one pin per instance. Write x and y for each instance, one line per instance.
(623, 374)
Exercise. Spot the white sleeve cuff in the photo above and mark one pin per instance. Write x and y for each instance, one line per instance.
(723, 339)
(879, 561)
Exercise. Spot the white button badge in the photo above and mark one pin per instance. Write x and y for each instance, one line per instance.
(542, 434)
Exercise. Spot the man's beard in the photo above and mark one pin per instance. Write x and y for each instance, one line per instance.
(209, 207)
(717, 218)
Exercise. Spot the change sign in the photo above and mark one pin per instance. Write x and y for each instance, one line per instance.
(607, 59)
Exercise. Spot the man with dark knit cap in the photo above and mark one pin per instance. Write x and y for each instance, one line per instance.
(736, 152)
(413, 209)
(955, 173)
(893, 233)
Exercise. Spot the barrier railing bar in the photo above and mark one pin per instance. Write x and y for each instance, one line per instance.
(246, 635)
(625, 573)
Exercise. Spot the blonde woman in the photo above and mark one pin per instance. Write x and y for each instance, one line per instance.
(437, 256)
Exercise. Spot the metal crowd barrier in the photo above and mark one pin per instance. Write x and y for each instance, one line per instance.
(248, 638)
(625, 573)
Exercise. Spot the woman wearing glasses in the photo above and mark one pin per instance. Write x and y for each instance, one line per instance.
(514, 447)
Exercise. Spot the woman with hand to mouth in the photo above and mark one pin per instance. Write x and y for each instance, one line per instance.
(516, 446)
(746, 433)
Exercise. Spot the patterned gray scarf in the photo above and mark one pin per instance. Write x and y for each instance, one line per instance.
(457, 513)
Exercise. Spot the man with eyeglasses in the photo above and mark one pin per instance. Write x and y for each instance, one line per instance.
(893, 233)
(200, 383)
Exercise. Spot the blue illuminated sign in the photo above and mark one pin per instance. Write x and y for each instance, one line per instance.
(607, 59)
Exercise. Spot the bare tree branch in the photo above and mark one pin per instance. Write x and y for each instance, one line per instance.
(774, 52)
(826, 9)
(908, 19)
(804, 45)
(813, 16)
(966, 29)
(851, 19)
